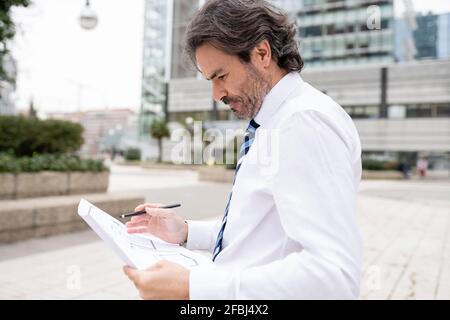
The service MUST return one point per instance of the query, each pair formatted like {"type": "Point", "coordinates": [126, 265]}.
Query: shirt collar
{"type": "Point", "coordinates": [277, 95]}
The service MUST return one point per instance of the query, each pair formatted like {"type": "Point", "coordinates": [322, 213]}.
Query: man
{"type": "Point", "coordinates": [289, 229]}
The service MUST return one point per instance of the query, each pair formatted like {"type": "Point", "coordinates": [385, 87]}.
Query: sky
{"type": "Point", "coordinates": [64, 68]}
{"type": "Point", "coordinates": [436, 6]}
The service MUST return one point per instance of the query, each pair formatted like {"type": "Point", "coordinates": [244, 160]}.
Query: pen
{"type": "Point", "coordinates": [131, 214]}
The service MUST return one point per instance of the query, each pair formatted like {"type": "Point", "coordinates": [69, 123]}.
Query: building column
{"type": "Point", "coordinates": [215, 112]}
{"type": "Point", "coordinates": [383, 98]}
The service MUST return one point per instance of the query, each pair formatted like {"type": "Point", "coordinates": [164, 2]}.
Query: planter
{"type": "Point", "coordinates": [50, 183]}
{"type": "Point", "coordinates": [7, 186]}
{"type": "Point", "coordinates": [219, 174]}
{"type": "Point", "coordinates": [47, 216]}
{"type": "Point", "coordinates": [168, 166]}
{"type": "Point", "coordinates": [382, 174]}
{"type": "Point", "coordinates": [88, 182]}
{"type": "Point", "coordinates": [41, 184]}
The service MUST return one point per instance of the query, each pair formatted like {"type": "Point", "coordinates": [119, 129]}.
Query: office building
{"type": "Point", "coordinates": [155, 50]}
{"type": "Point", "coordinates": [103, 129]}
{"type": "Point", "coordinates": [428, 38]}
{"type": "Point", "coordinates": [165, 23]}
{"type": "Point", "coordinates": [341, 33]}
{"type": "Point", "coordinates": [349, 56]}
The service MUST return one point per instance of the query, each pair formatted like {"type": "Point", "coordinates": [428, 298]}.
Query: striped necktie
{"type": "Point", "coordinates": [245, 147]}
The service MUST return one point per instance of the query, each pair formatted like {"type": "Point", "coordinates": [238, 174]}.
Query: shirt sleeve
{"type": "Point", "coordinates": [202, 234]}
{"type": "Point", "coordinates": [315, 196]}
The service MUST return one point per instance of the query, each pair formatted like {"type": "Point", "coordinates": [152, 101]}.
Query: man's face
{"type": "Point", "coordinates": [237, 84]}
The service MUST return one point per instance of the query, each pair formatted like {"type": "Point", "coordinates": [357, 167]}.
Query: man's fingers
{"type": "Point", "coordinates": [139, 207]}
{"type": "Point", "coordinates": [152, 212]}
{"type": "Point", "coordinates": [131, 224]}
{"type": "Point", "coordinates": [144, 217]}
{"type": "Point", "coordinates": [137, 230]}
{"type": "Point", "coordinates": [132, 274]}
{"type": "Point", "coordinates": [160, 213]}
{"type": "Point", "coordinates": [150, 205]}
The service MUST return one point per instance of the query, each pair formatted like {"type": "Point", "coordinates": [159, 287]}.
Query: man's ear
{"type": "Point", "coordinates": [262, 54]}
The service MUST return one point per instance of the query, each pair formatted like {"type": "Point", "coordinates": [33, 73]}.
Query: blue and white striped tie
{"type": "Point", "coordinates": [245, 147]}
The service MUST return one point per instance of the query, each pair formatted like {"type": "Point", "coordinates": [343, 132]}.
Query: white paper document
{"type": "Point", "coordinates": [136, 250]}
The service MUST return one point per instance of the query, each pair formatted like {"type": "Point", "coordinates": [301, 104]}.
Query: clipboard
{"type": "Point", "coordinates": [137, 250]}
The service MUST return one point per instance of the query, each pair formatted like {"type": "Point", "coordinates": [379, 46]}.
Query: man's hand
{"type": "Point", "coordinates": [163, 280]}
{"type": "Point", "coordinates": [163, 223]}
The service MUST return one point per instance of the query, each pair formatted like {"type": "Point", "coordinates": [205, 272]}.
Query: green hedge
{"type": "Point", "coordinates": [25, 136]}
{"type": "Point", "coordinates": [369, 164]}
{"type": "Point", "coordinates": [49, 162]}
{"type": "Point", "coordinates": [132, 154]}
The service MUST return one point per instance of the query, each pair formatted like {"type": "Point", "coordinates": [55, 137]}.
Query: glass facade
{"type": "Point", "coordinates": [425, 36]}
{"type": "Point", "coordinates": [182, 13]}
{"type": "Point", "coordinates": [165, 23]}
{"type": "Point", "coordinates": [346, 32]}
{"type": "Point", "coordinates": [430, 39]}
{"type": "Point", "coordinates": [443, 40]}
{"type": "Point", "coordinates": [153, 93]}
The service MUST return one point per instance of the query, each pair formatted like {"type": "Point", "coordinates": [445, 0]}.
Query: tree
{"type": "Point", "coordinates": [7, 31]}
{"type": "Point", "coordinates": [25, 136]}
{"type": "Point", "coordinates": [159, 130]}
{"type": "Point", "coordinates": [32, 110]}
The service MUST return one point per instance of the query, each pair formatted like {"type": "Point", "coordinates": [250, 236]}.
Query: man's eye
{"type": "Point", "coordinates": [222, 77]}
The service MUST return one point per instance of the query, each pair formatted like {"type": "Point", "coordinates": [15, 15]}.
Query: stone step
{"type": "Point", "coordinates": [46, 216]}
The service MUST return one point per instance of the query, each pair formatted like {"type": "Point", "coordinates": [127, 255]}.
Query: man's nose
{"type": "Point", "coordinates": [218, 91]}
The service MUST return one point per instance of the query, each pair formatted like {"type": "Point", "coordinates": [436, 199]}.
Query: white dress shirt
{"type": "Point", "coordinates": [292, 223]}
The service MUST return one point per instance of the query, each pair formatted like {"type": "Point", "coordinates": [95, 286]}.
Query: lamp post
{"type": "Point", "coordinates": [88, 17]}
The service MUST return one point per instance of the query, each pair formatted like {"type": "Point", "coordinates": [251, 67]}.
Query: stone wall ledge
{"type": "Point", "coordinates": [46, 216]}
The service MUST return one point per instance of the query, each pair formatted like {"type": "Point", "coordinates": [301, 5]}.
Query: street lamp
{"type": "Point", "coordinates": [88, 17]}
{"type": "Point", "coordinates": [189, 121]}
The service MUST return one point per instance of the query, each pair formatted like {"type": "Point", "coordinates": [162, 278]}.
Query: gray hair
{"type": "Point", "coordinates": [237, 26]}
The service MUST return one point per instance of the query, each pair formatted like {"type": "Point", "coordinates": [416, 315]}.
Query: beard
{"type": "Point", "coordinates": [254, 89]}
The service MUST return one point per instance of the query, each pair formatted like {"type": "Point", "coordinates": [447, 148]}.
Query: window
{"type": "Point", "coordinates": [418, 111]}
{"type": "Point", "coordinates": [312, 31]}
{"type": "Point", "coordinates": [362, 112]}
{"type": "Point", "coordinates": [443, 111]}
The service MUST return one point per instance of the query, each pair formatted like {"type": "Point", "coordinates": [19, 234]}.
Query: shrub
{"type": "Point", "coordinates": [7, 163]}
{"type": "Point", "coordinates": [48, 162]}
{"type": "Point", "coordinates": [27, 136]}
{"type": "Point", "coordinates": [370, 164]}
{"type": "Point", "coordinates": [132, 154]}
